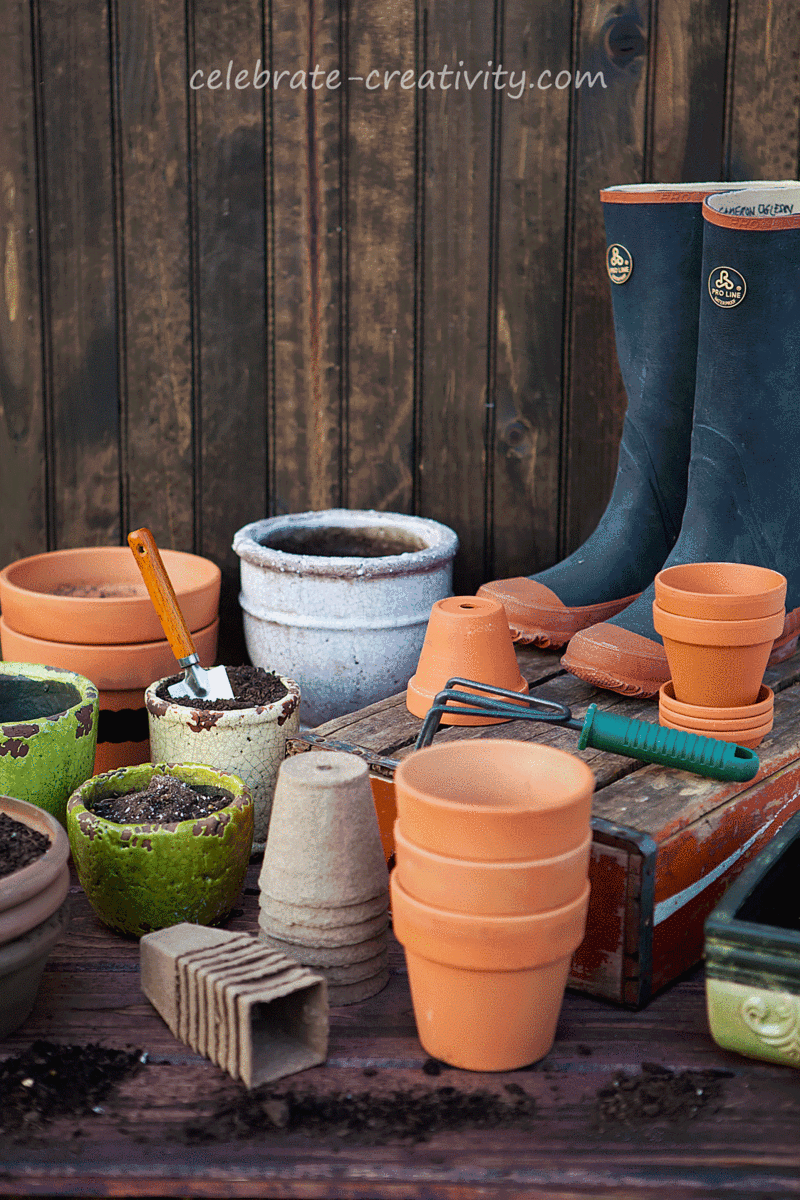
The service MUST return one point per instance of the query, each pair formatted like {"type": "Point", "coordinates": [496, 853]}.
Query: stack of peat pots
{"type": "Point", "coordinates": [490, 894]}
{"type": "Point", "coordinates": [718, 622]}
{"type": "Point", "coordinates": [324, 882]}
{"type": "Point", "coordinates": [34, 912]}
{"type": "Point", "coordinates": [87, 610]}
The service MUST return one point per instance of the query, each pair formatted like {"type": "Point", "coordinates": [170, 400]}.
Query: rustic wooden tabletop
{"type": "Point", "coordinates": [604, 1116]}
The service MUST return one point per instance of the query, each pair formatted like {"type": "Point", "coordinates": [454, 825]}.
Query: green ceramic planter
{"type": "Point", "coordinates": [48, 734]}
{"type": "Point", "coordinates": [139, 878]}
{"type": "Point", "coordinates": [753, 956]}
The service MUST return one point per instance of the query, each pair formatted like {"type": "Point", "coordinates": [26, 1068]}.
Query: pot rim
{"type": "Point", "coordinates": [763, 705]}
{"type": "Point", "coordinates": [695, 631]}
{"type": "Point", "coordinates": [242, 798]}
{"type": "Point", "coordinates": [441, 548]}
{"type": "Point", "coordinates": [21, 885]}
{"type": "Point", "coordinates": [258, 714]}
{"type": "Point", "coordinates": [87, 692]}
{"type": "Point", "coordinates": [500, 867]}
{"type": "Point", "coordinates": [768, 588]}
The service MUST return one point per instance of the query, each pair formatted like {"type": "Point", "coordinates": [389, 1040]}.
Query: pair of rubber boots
{"type": "Point", "coordinates": [706, 294]}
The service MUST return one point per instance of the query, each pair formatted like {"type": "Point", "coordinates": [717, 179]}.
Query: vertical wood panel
{"type": "Point", "coordinates": [307, 275]}
{"type": "Point", "coordinates": [82, 297]}
{"type": "Point", "coordinates": [609, 149]}
{"type": "Point", "coordinates": [531, 289]}
{"type": "Point", "coordinates": [765, 94]}
{"type": "Point", "coordinates": [380, 275]}
{"type": "Point", "coordinates": [458, 154]}
{"type": "Point", "coordinates": [23, 477]}
{"type": "Point", "coordinates": [688, 94]}
{"type": "Point", "coordinates": [230, 280]}
{"type": "Point", "coordinates": [156, 225]}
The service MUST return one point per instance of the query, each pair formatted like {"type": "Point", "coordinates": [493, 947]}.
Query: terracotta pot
{"type": "Point", "coordinates": [717, 663]}
{"type": "Point", "coordinates": [248, 742]}
{"type": "Point", "coordinates": [467, 636]}
{"type": "Point", "coordinates": [487, 991]}
{"type": "Point", "coordinates": [490, 888]}
{"type": "Point", "coordinates": [123, 613]}
{"type": "Point", "coordinates": [16, 921]}
{"type": "Point", "coordinates": [139, 878]}
{"type": "Point", "coordinates": [30, 895]}
{"type": "Point", "coordinates": [749, 736]}
{"type": "Point", "coordinates": [720, 591]}
{"type": "Point", "coordinates": [494, 800]}
{"type": "Point", "coordinates": [763, 706]}
{"type": "Point", "coordinates": [22, 964]}
{"type": "Point", "coordinates": [123, 735]}
{"type": "Point", "coordinates": [48, 733]}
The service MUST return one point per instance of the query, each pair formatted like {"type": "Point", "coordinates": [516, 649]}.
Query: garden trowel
{"type": "Point", "coordinates": [198, 683]}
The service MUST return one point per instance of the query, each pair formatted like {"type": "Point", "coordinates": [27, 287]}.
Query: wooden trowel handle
{"type": "Point", "coordinates": [162, 593]}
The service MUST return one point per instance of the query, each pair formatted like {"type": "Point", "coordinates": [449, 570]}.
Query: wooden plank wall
{"type": "Point", "coordinates": [217, 304]}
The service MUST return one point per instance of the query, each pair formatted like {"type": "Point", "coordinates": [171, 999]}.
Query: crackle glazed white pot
{"type": "Point", "coordinates": [247, 742]}
{"type": "Point", "coordinates": [340, 600]}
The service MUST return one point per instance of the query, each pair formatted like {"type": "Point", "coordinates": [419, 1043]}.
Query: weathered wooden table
{"type": "Point", "coordinates": [744, 1141]}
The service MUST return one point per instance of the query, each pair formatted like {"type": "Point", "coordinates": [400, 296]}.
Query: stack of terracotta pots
{"type": "Point", "coordinates": [34, 913]}
{"type": "Point", "coordinates": [87, 610]}
{"type": "Point", "coordinates": [324, 883]}
{"type": "Point", "coordinates": [718, 622]}
{"type": "Point", "coordinates": [490, 894]}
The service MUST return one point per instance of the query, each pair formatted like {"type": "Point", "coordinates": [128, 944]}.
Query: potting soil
{"type": "Point", "coordinates": [165, 800]}
{"type": "Point", "coordinates": [251, 687]}
{"type": "Point", "coordinates": [48, 1081]}
{"type": "Point", "coordinates": [19, 845]}
{"type": "Point", "coordinates": [657, 1092]}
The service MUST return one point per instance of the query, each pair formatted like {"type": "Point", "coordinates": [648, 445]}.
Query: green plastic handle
{"type": "Point", "coordinates": [669, 747]}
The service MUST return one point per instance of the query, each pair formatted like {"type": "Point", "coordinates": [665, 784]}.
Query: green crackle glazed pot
{"type": "Point", "coordinates": [143, 877]}
{"type": "Point", "coordinates": [48, 734]}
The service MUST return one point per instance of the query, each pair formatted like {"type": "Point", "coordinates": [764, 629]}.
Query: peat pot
{"type": "Point", "coordinates": [48, 734]}
{"type": "Point", "coordinates": [339, 600]}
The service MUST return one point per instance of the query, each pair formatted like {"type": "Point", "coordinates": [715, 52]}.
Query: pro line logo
{"type": "Point", "coordinates": [619, 263]}
{"type": "Point", "coordinates": [726, 287]}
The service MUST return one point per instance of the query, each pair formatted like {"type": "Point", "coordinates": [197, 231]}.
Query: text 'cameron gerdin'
{"type": "Point", "coordinates": [488, 78]}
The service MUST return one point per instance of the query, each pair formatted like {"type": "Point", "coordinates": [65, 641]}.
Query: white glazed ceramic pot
{"type": "Point", "coordinates": [247, 742]}
{"type": "Point", "coordinates": [340, 601]}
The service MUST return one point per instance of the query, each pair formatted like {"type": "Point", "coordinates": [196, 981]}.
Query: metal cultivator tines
{"type": "Point", "coordinates": [600, 730]}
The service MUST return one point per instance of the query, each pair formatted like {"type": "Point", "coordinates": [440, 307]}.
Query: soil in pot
{"type": "Point", "coordinates": [344, 543]}
{"type": "Point", "coordinates": [19, 845]}
{"type": "Point", "coordinates": [165, 800]}
{"type": "Point", "coordinates": [251, 687]}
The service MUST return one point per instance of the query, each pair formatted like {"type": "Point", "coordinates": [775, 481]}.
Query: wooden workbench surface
{"type": "Point", "coordinates": [746, 1141]}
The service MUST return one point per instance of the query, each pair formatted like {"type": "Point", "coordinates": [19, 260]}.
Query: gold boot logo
{"type": "Point", "coordinates": [619, 263]}
{"type": "Point", "coordinates": [726, 287]}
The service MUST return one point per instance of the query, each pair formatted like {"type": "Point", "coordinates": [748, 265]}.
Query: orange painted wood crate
{"type": "Point", "coordinates": [666, 843]}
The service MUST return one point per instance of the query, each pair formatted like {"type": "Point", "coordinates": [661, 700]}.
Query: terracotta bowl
{"type": "Point", "coordinates": [720, 591]}
{"type": "Point", "coordinates": [494, 799]}
{"type": "Point", "coordinates": [28, 882]}
{"type": "Point", "coordinates": [123, 613]}
{"type": "Point", "coordinates": [113, 667]}
{"type": "Point", "coordinates": [763, 705]}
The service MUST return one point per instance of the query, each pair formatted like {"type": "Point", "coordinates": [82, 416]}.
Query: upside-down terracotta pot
{"type": "Point", "coordinates": [33, 893]}
{"type": "Point", "coordinates": [494, 799]}
{"type": "Point", "coordinates": [720, 591]}
{"type": "Point", "coordinates": [717, 663]}
{"type": "Point", "coordinates": [487, 991]}
{"type": "Point", "coordinates": [490, 888]}
{"type": "Point", "coordinates": [248, 742]}
{"type": "Point", "coordinates": [468, 637]}
{"type": "Point", "coordinates": [144, 876]}
{"type": "Point", "coordinates": [48, 732]}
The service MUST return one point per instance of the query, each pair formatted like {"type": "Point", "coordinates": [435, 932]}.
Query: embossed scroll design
{"type": "Point", "coordinates": [775, 1022]}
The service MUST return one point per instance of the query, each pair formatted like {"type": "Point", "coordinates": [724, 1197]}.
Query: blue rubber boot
{"type": "Point", "coordinates": [653, 259]}
{"type": "Point", "coordinates": [743, 495]}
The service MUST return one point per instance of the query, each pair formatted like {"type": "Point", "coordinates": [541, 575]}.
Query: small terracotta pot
{"type": "Point", "coordinates": [763, 706]}
{"type": "Point", "coordinates": [720, 591]}
{"type": "Point", "coordinates": [48, 733]}
{"type": "Point", "coordinates": [490, 888]}
{"type": "Point", "coordinates": [487, 991]}
{"type": "Point", "coordinates": [123, 735]}
{"type": "Point", "coordinates": [748, 736]}
{"type": "Point", "coordinates": [717, 663]}
{"type": "Point", "coordinates": [114, 607]}
{"type": "Point", "coordinates": [248, 742]}
{"type": "Point", "coordinates": [467, 636]}
{"type": "Point", "coordinates": [494, 800]}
